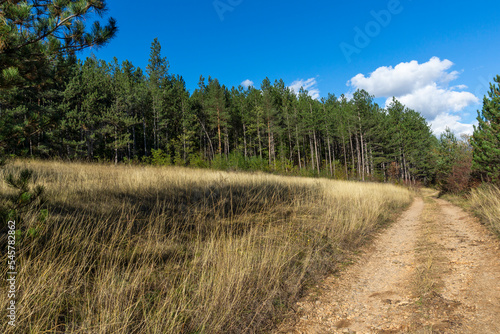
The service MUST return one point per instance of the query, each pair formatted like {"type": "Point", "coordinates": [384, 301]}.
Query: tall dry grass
{"type": "Point", "coordinates": [485, 202]}
{"type": "Point", "coordinates": [175, 250]}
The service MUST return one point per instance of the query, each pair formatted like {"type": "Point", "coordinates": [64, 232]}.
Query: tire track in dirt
{"type": "Point", "coordinates": [472, 278]}
{"type": "Point", "coordinates": [378, 293]}
{"type": "Point", "coordinates": [371, 295]}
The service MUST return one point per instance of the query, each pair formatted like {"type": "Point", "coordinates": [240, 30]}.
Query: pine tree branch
{"type": "Point", "coordinates": [48, 33]}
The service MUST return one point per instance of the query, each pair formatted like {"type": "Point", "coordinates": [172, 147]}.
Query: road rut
{"type": "Point", "coordinates": [436, 270]}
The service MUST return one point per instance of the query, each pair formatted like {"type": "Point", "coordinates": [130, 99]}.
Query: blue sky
{"type": "Point", "coordinates": [438, 57]}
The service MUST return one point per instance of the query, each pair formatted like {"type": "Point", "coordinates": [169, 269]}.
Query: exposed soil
{"type": "Point", "coordinates": [436, 270]}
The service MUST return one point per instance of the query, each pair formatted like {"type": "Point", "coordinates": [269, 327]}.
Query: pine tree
{"type": "Point", "coordinates": [363, 114]}
{"type": "Point", "coordinates": [89, 96]}
{"type": "Point", "coordinates": [418, 140]}
{"type": "Point", "coordinates": [239, 121]}
{"type": "Point", "coordinates": [284, 103]}
{"type": "Point", "coordinates": [453, 162]}
{"type": "Point", "coordinates": [157, 71]}
{"type": "Point", "coordinates": [255, 121]}
{"type": "Point", "coordinates": [270, 118]}
{"type": "Point", "coordinates": [329, 121]}
{"type": "Point", "coordinates": [183, 121]}
{"type": "Point", "coordinates": [216, 106]}
{"type": "Point", "coordinates": [394, 144]}
{"type": "Point", "coordinates": [34, 32]}
{"type": "Point", "coordinates": [198, 105]}
{"type": "Point", "coordinates": [118, 118]}
{"type": "Point", "coordinates": [128, 90]}
{"type": "Point", "coordinates": [486, 137]}
{"type": "Point", "coordinates": [29, 115]}
{"type": "Point", "coordinates": [346, 130]}
{"type": "Point", "coordinates": [307, 126]}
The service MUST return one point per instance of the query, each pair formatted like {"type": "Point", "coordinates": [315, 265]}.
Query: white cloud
{"type": "Point", "coordinates": [309, 85]}
{"type": "Point", "coordinates": [247, 83]}
{"type": "Point", "coordinates": [424, 88]}
{"type": "Point", "coordinates": [405, 77]}
{"type": "Point", "coordinates": [445, 120]}
{"type": "Point", "coordinates": [432, 100]}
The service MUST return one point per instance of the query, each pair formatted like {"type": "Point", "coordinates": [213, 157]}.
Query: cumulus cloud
{"type": "Point", "coordinates": [423, 87]}
{"type": "Point", "coordinates": [433, 100]}
{"type": "Point", "coordinates": [309, 85]}
{"type": "Point", "coordinates": [405, 78]}
{"type": "Point", "coordinates": [445, 120]}
{"type": "Point", "coordinates": [247, 83]}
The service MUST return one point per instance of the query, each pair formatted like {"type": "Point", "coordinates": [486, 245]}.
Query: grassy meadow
{"type": "Point", "coordinates": [133, 249]}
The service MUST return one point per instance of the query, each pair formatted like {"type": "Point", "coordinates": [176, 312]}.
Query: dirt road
{"type": "Point", "coordinates": [436, 270]}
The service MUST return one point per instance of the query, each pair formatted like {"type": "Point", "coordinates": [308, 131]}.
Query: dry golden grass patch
{"type": "Point", "coordinates": [485, 202]}
{"type": "Point", "coordinates": [133, 249]}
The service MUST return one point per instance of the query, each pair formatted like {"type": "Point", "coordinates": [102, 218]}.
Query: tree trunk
{"type": "Point", "coordinates": [362, 148]}
{"type": "Point", "coordinates": [260, 142]}
{"type": "Point", "coordinates": [269, 137]}
{"type": "Point", "coordinates": [212, 153]}
{"type": "Point", "coordinates": [305, 152]}
{"type": "Point", "coordinates": [330, 156]}
{"type": "Point", "coordinates": [245, 140]}
{"type": "Point", "coordinates": [218, 132]}
{"type": "Point", "coordinates": [226, 142]}
{"type": "Point", "coordinates": [372, 171]}
{"type": "Point", "coordinates": [298, 146]}
{"type": "Point", "coordinates": [358, 155]}
{"type": "Point", "coordinates": [155, 143]}
{"type": "Point", "coordinates": [362, 155]}
{"type": "Point", "coordinates": [385, 174]}
{"type": "Point", "coordinates": [145, 138]}
{"type": "Point", "coordinates": [289, 136]}
{"type": "Point", "coordinates": [345, 156]}
{"type": "Point", "coordinates": [134, 147]}
{"type": "Point", "coordinates": [405, 166]}
{"type": "Point", "coordinates": [184, 145]}
{"type": "Point", "coordinates": [116, 147]}
{"type": "Point", "coordinates": [312, 151]}
{"type": "Point", "coordinates": [316, 150]}
{"type": "Point", "coordinates": [352, 152]}
{"type": "Point", "coordinates": [366, 166]}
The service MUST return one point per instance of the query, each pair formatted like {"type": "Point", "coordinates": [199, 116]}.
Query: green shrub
{"type": "Point", "coordinates": [159, 158]}
{"type": "Point", "coordinates": [196, 160]}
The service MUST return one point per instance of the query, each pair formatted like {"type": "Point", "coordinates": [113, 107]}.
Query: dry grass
{"type": "Point", "coordinates": [174, 250]}
{"type": "Point", "coordinates": [485, 202]}
{"type": "Point", "coordinates": [426, 256]}
{"type": "Point", "coordinates": [429, 258]}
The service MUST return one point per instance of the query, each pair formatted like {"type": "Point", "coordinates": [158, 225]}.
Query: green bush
{"type": "Point", "coordinates": [159, 158]}
{"type": "Point", "coordinates": [219, 162]}
{"type": "Point", "coordinates": [258, 163]}
{"type": "Point", "coordinates": [196, 160]}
